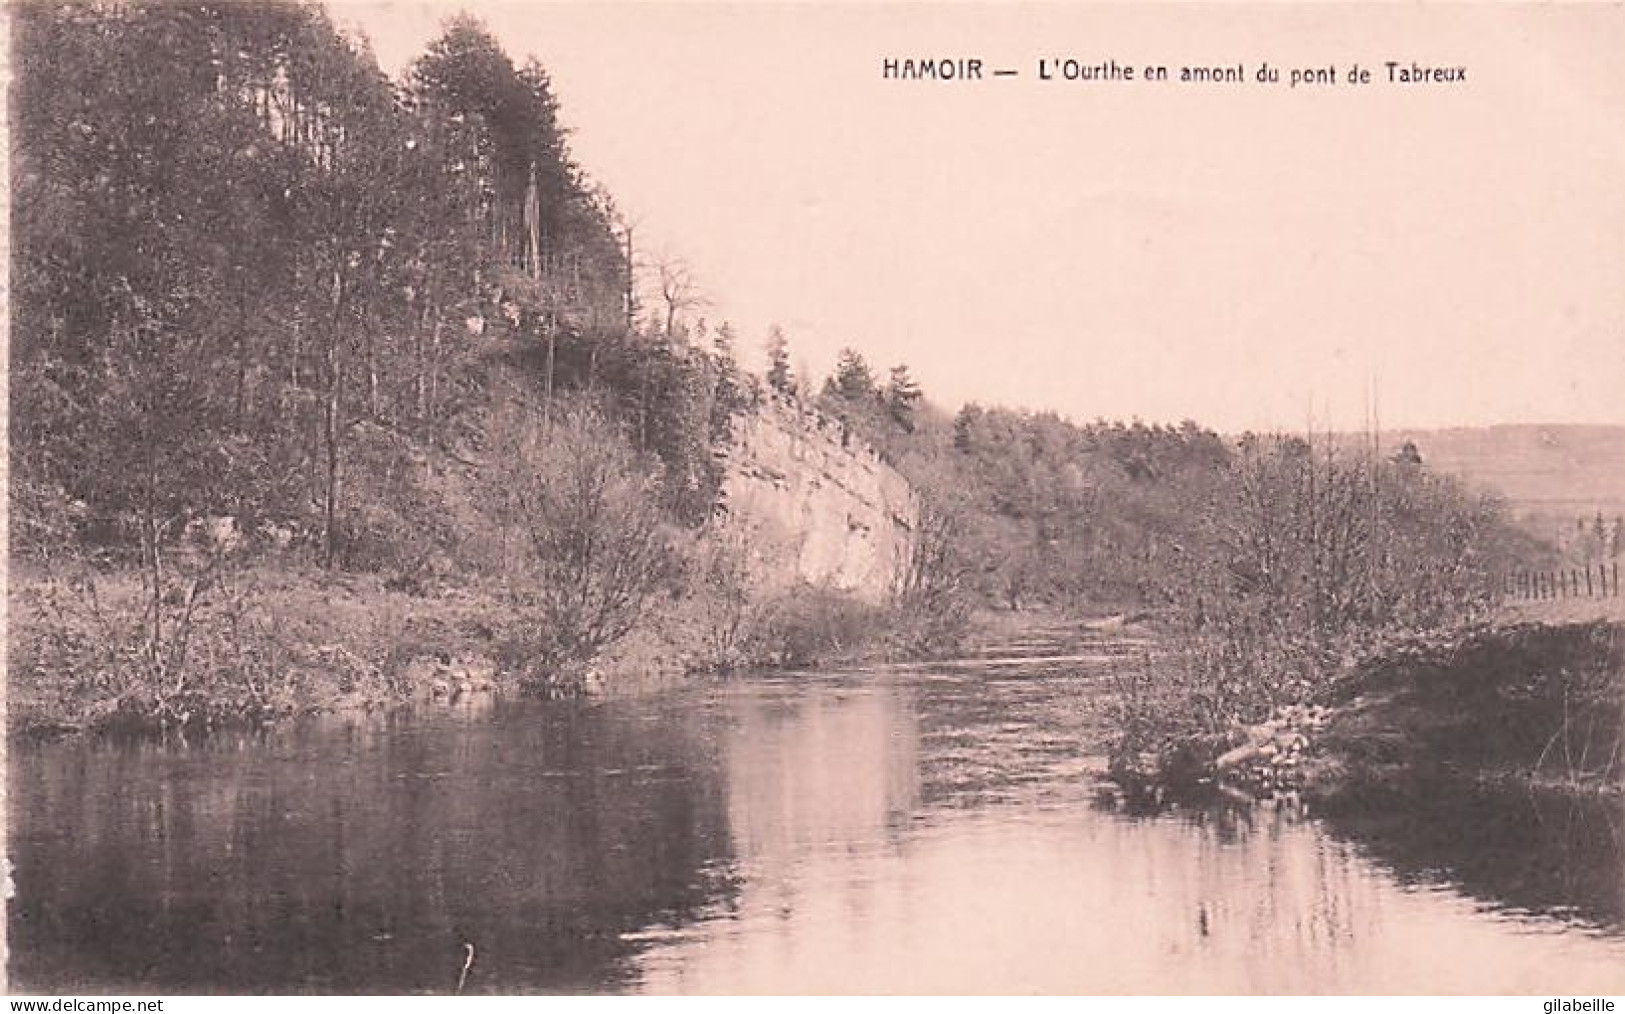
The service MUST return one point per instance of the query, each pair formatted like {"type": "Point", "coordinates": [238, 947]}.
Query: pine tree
{"type": "Point", "coordinates": [778, 363]}
{"type": "Point", "coordinates": [901, 395]}
{"type": "Point", "coordinates": [853, 380]}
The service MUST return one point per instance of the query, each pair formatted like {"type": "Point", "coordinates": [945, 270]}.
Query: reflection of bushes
{"type": "Point", "coordinates": [1542, 852]}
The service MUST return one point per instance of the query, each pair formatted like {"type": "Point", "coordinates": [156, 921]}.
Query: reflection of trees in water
{"type": "Point", "coordinates": [1546, 854]}
{"type": "Point", "coordinates": [360, 856]}
{"type": "Point", "coordinates": [819, 768]}
{"type": "Point", "coordinates": [1257, 890]}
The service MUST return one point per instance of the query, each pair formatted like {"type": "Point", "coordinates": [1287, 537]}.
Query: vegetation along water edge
{"type": "Point", "coordinates": [335, 391]}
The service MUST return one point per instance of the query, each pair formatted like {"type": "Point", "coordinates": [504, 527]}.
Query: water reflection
{"type": "Point", "coordinates": [903, 831]}
{"type": "Point", "coordinates": [1516, 851]}
{"type": "Point", "coordinates": [1055, 902]}
{"type": "Point", "coordinates": [359, 856]}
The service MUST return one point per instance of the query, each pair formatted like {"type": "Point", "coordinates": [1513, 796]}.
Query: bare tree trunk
{"type": "Point", "coordinates": [330, 427]}
{"type": "Point", "coordinates": [372, 375]}
{"type": "Point", "coordinates": [149, 538]}
{"type": "Point", "coordinates": [547, 406]}
{"type": "Point", "coordinates": [643, 407]}
{"type": "Point", "coordinates": [421, 381]}
{"type": "Point", "coordinates": [298, 352]}
{"type": "Point", "coordinates": [631, 290]}
{"type": "Point", "coordinates": [240, 380]}
{"type": "Point", "coordinates": [434, 369]}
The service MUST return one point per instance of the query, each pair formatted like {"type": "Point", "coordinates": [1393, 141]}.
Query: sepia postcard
{"type": "Point", "coordinates": [1107, 499]}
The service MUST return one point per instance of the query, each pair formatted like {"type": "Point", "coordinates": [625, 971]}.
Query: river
{"type": "Point", "coordinates": [934, 829]}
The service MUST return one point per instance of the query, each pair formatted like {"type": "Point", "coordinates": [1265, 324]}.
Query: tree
{"type": "Point", "coordinates": [730, 395]}
{"type": "Point", "coordinates": [778, 363]}
{"type": "Point", "coordinates": [901, 395]}
{"type": "Point", "coordinates": [853, 380]}
{"type": "Point", "coordinates": [965, 427]}
{"type": "Point", "coordinates": [679, 292]}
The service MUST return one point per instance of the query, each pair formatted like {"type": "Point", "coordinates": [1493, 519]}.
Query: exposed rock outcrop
{"type": "Point", "coordinates": [813, 502]}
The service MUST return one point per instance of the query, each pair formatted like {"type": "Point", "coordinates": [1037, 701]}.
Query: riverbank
{"type": "Point", "coordinates": [906, 819]}
{"type": "Point", "coordinates": [267, 643]}
{"type": "Point", "coordinates": [257, 646]}
{"type": "Point", "coordinates": [1526, 704]}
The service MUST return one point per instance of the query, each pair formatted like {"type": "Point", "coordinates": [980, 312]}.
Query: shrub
{"type": "Point", "coordinates": [812, 624]}
{"type": "Point", "coordinates": [591, 538]}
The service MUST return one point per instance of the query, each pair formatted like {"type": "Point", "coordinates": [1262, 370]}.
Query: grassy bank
{"type": "Point", "coordinates": [1530, 704]}
{"type": "Point", "coordinates": [262, 645]}
{"type": "Point", "coordinates": [1517, 704]}
{"type": "Point", "coordinates": [266, 643]}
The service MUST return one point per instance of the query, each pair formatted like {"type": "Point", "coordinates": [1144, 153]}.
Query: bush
{"type": "Point", "coordinates": [1292, 569]}
{"type": "Point", "coordinates": [809, 625]}
{"type": "Point", "coordinates": [86, 653]}
{"type": "Point", "coordinates": [586, 513]}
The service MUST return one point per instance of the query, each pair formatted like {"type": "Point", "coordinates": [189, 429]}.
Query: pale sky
{"type": "Point", "coordinates": [1246, 256]}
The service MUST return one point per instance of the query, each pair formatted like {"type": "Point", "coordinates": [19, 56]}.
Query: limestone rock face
{"type": "Point", "coordinates": [810, 501]}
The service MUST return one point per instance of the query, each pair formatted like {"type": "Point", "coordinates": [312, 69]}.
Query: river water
{"type": "Point", "coordinates": [933, 829]}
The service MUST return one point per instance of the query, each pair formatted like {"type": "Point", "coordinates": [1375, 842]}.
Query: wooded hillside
{"type": "Point", "coordinates": [256, 279]}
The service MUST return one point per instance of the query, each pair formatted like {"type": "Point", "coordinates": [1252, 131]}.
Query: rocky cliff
{"type": "Point", "coordinates": [811, 501]}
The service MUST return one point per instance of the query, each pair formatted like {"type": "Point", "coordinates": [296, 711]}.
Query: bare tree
{"type": "Point", "coordinates": [679, 293]}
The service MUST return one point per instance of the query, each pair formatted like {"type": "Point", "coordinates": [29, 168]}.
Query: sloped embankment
{"type": "Point", "coordinates": [1533, 704]}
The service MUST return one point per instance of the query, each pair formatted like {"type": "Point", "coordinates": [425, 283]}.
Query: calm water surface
{"type": "Point", "coordinates": [933, 830]}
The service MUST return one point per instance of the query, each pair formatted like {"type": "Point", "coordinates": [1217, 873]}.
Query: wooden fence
{"type": "Point", "coordinates": [1597, 580]}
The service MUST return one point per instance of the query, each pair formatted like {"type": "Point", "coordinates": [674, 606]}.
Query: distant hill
{"type": "Point", "coordinates": [1546, 472]}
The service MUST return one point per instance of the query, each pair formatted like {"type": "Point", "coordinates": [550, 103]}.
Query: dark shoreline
{"type": "Point", "coordinates": [349, 643]}
{"type": "Point", "coordinates": [1532, 706]}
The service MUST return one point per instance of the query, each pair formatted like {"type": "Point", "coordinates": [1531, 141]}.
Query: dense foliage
{"type": "Point", "coordinates": [256, 279]}
{"type": "Point", "coordinates": [267, 302]}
